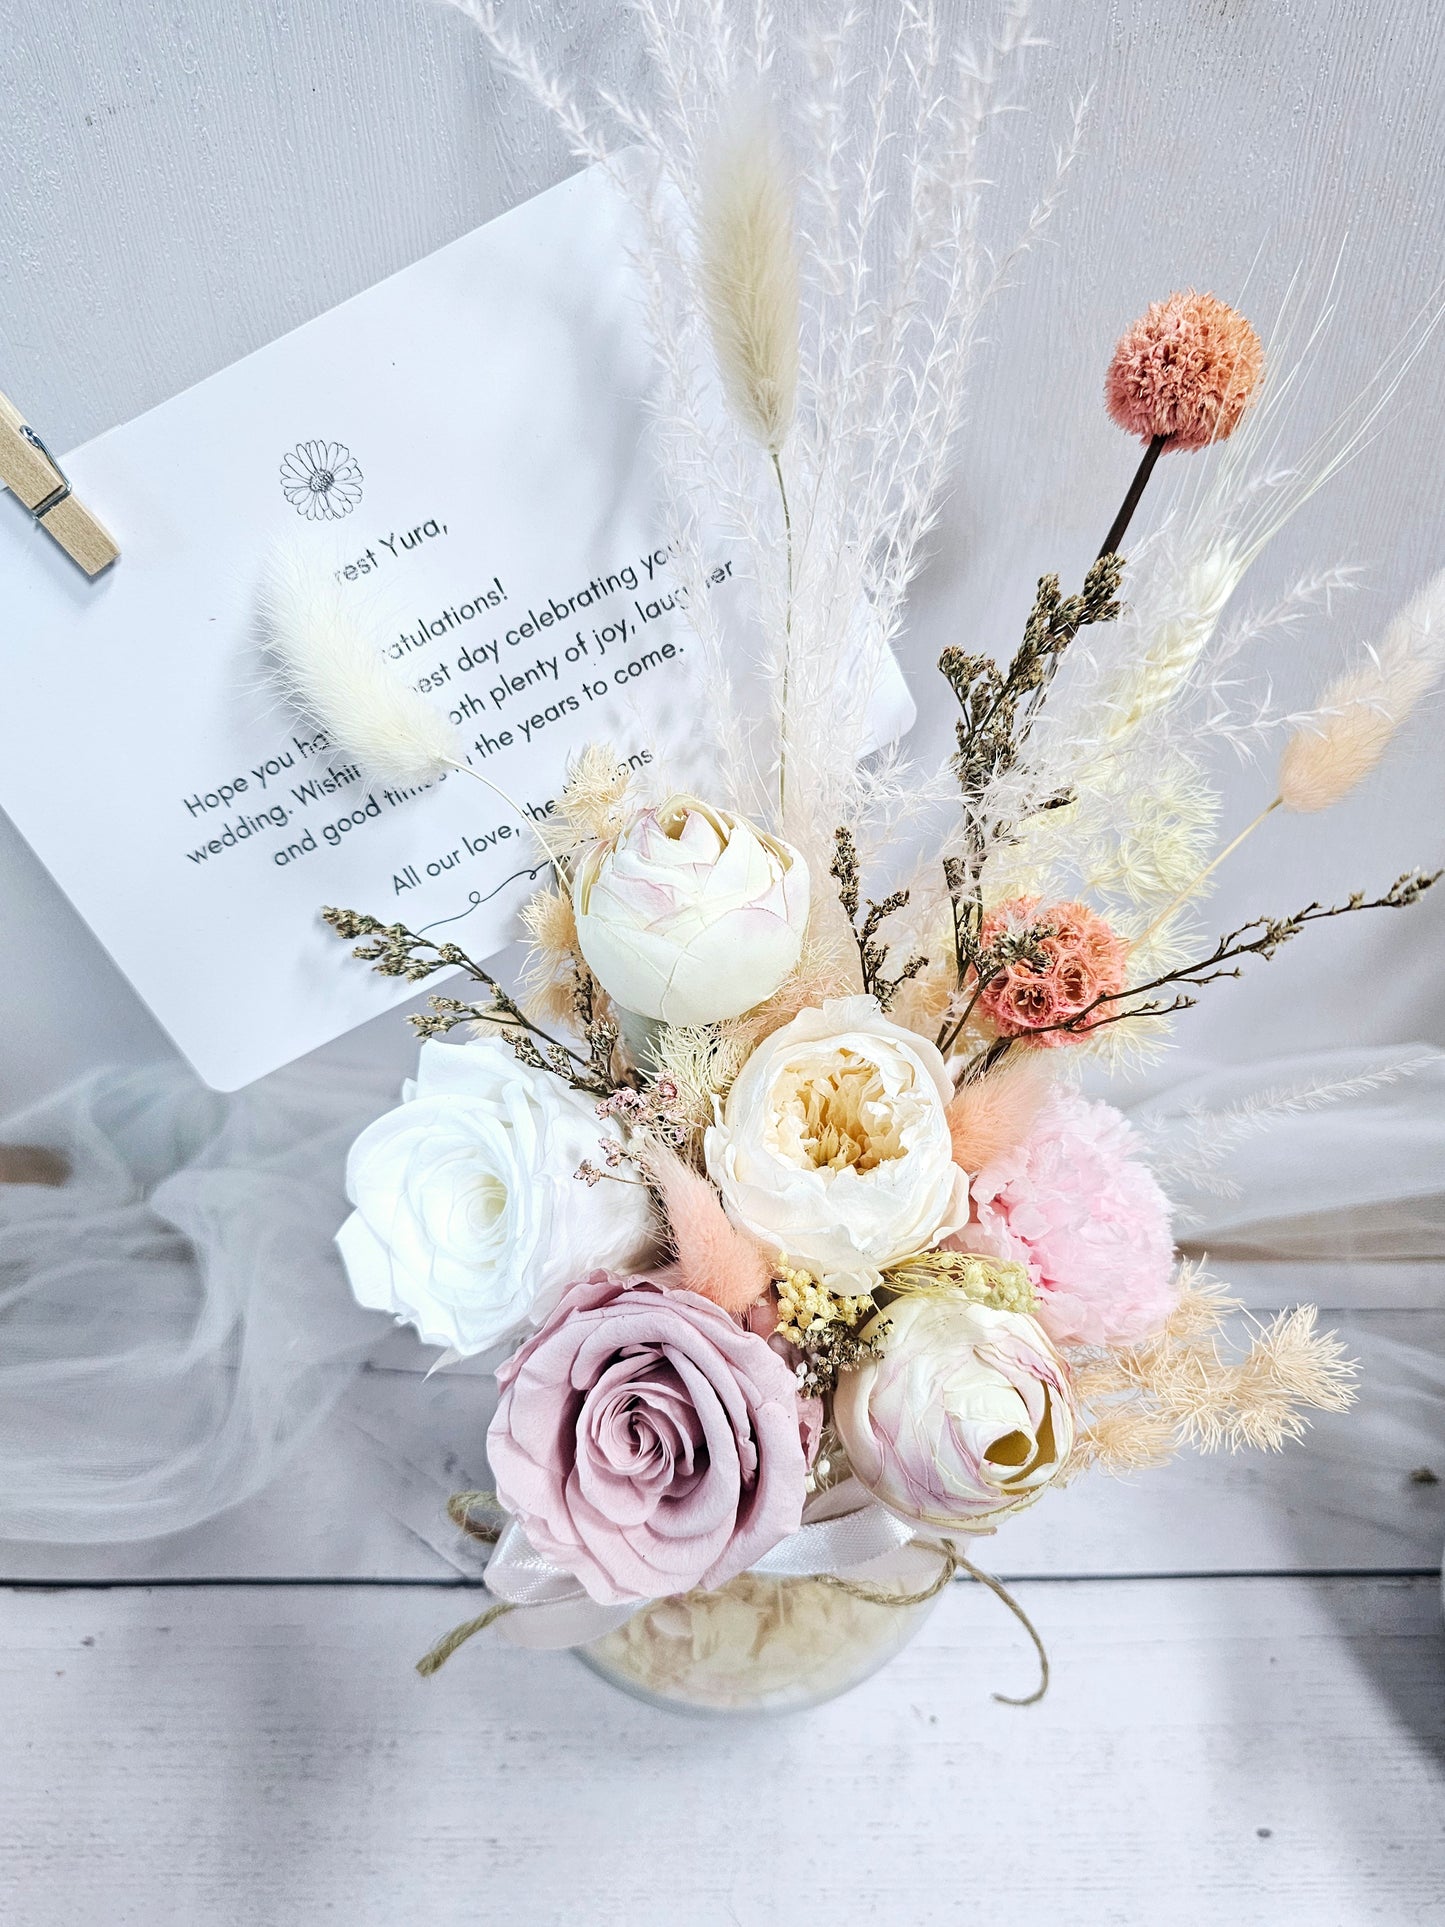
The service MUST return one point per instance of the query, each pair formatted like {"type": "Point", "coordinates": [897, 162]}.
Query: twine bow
{"type": "Point", "coordinates": [856, 1537]}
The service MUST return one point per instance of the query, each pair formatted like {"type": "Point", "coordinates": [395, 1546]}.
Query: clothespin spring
{"type": "Point", "coordinates": [56, 495]}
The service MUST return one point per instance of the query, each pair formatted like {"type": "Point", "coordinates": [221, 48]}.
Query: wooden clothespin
{"type": "Point", "coordinates": [35, 478]}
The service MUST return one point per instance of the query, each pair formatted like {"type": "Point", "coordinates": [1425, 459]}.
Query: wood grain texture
{"type": "Point", "coordinates": [1227, 1754]}
{"type": "Point", "coordinates": [184, 180]}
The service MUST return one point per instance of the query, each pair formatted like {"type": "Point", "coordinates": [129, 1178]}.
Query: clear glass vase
{"type": "Point", "coordinates": [769, 1645]}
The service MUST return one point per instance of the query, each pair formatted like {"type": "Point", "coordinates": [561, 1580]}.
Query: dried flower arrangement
{"type": "Point", "coordinates": [805, 1250]}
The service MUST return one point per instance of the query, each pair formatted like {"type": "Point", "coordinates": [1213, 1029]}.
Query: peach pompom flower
{"type": "Point", "coordinates": [1186, 370]}
{"type": "Point", "coordinates": [1072, 959]}
{"type": "Point", "coordinates": [1181, 377]}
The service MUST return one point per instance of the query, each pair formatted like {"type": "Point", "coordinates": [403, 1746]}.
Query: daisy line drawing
{"type": "Point", "coordinates": [321, 480]}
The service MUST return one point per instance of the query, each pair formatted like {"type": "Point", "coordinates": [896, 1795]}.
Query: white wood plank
{"type": "Point", "coordinates": [366, 1498]}
{"type": "Point", "coordinates": [1247, 1753]}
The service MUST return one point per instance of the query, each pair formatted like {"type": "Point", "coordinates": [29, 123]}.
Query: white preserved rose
{"type": "Point", "coordinates": [833, 1147]}
{"type": "Point", "coordinates": [690, 915]}
{"type": "Point", "coordinates": [470, 1221]}
{"type": "Point", "coordinates": [966, 1411]}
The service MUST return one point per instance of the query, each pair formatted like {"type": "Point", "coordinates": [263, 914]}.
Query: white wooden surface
{"type": "Point", "coordinates": [1226, 1753]}
{"type": "Point", "coordinates": [180, 180]}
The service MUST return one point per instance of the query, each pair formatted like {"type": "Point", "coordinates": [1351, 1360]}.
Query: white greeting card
{"type": "Point", "coordinates": [464, 444]}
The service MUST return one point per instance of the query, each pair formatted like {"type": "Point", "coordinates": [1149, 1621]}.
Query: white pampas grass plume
{"type": "Point", "coordinates": [1338, 745]}
{"type": "Point", "coordinates": [749, 272]}
{"type": "Point", "coordinates": [329, 663]}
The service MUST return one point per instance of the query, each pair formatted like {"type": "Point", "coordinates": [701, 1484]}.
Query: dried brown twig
{"type": "Point", "coordinates": [872, 955]}
{"type": "Point", "coordinates": [393, 950]}
{"type": "Point", "coordinates": [1260, 937]}
{"type": "Point", "coordinates": [1000, 707]}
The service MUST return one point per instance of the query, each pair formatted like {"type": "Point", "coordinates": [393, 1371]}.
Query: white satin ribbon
{"type": "Point", "coordinates": [847, 1533]}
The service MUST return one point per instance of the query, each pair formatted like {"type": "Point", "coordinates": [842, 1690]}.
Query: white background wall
{"type": "Point", "coordinates": [182, 180]}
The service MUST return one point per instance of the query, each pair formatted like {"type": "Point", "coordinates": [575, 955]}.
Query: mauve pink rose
{"type": "Point", "coordinates": [646, 1442]}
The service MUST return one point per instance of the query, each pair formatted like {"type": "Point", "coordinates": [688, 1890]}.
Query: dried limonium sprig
{"type": "Point", "coordinates": [393, 950]}
{"type": "Point", "coordinates": [623, 1164]}
{"type": "Point", "coordinates": [984, 963]}
{"type": "Point", "coordinates": [823, 1326]}
{"type": "Point", "coordinates": [872, 954]}
{"type": "Point", "coordinates": [658, 1109]}
{"type": "Point", "coordinates": [1000, 707]}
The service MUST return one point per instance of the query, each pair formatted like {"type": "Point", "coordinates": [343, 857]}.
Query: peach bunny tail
{"type": "Point", "coordinates": [714, 1258]}
{"type": "Point", "coordinates": [997, 1113]}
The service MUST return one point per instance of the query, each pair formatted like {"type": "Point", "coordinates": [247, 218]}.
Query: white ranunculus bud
{"type": "Point", "coordinates": [470, 1221]}
{"type": "Point", "coordinates": [690, 915]}
{"type": "Point", "coordinates": [966, 1411]}
{"type": "Point", "coordinates": [833, 1147]}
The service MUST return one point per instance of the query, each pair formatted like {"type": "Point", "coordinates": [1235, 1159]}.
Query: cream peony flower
{"type": "Point", "coordinates": [690, 915]}
{"type": "Point", "coordinates": [833, 1146]}
{"type": "Point", "coordinates": [470, 1222]}
{"type": "Point", "coordinates": [967, 1410]}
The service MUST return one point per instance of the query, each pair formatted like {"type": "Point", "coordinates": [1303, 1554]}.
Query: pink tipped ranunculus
{"type": "Point", "coordinates": [690, 915]}
{"type": "Point", "coordinates": [646, 1442]}
{"type": "Point", "coordinates": [1075, 1205]}
{"type": "Point", "coordinates": [965, 1411]}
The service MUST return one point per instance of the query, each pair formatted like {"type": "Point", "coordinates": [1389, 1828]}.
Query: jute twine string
{"type": "Point", "coordinates": [460, 1507]}
{"type": "Point", "coordinates": [952, 1561]}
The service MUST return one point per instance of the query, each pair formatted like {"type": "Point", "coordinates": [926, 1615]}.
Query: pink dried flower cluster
{"type": "Point", "coordinates": [1186, 369]}
{"type": "Point", "coordinates": [1080, 959]}
{"type": "Point", "coordinates": [1074, 1203]}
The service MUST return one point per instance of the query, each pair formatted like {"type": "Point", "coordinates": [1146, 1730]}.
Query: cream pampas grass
{"type": "Point", "coordinates": [1350, 729]}
{"type": "Point", "coordinates": [550, 976]}
{"type": "Point", "coordinates": [835, 269]}
{"type": "Point", "coordinates": [1186, 1383]}
{"type": "Point", "coordinates": [749, 272]}
{"type": "Point", "coordinates": [595, 800]}
{"type": "Point", "coordinates": [329, 664]}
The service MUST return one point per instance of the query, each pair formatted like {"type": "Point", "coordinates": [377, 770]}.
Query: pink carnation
{"type": "Point", "coordinates": [1080, 960]}
{"type": "Point", "coordinates": [1075, 1205]}
{"type": "Point", "coordinates": [646, 1442]}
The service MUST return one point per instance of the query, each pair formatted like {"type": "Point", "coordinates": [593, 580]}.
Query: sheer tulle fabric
{"type": "Point", "coordinates": [1334, 1157]}
{"type": "Point", "coordinates": [173, 1319]}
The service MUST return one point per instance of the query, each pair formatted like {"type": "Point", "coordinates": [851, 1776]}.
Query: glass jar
{"type": "Point", "coordinates": [762, 1644]}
